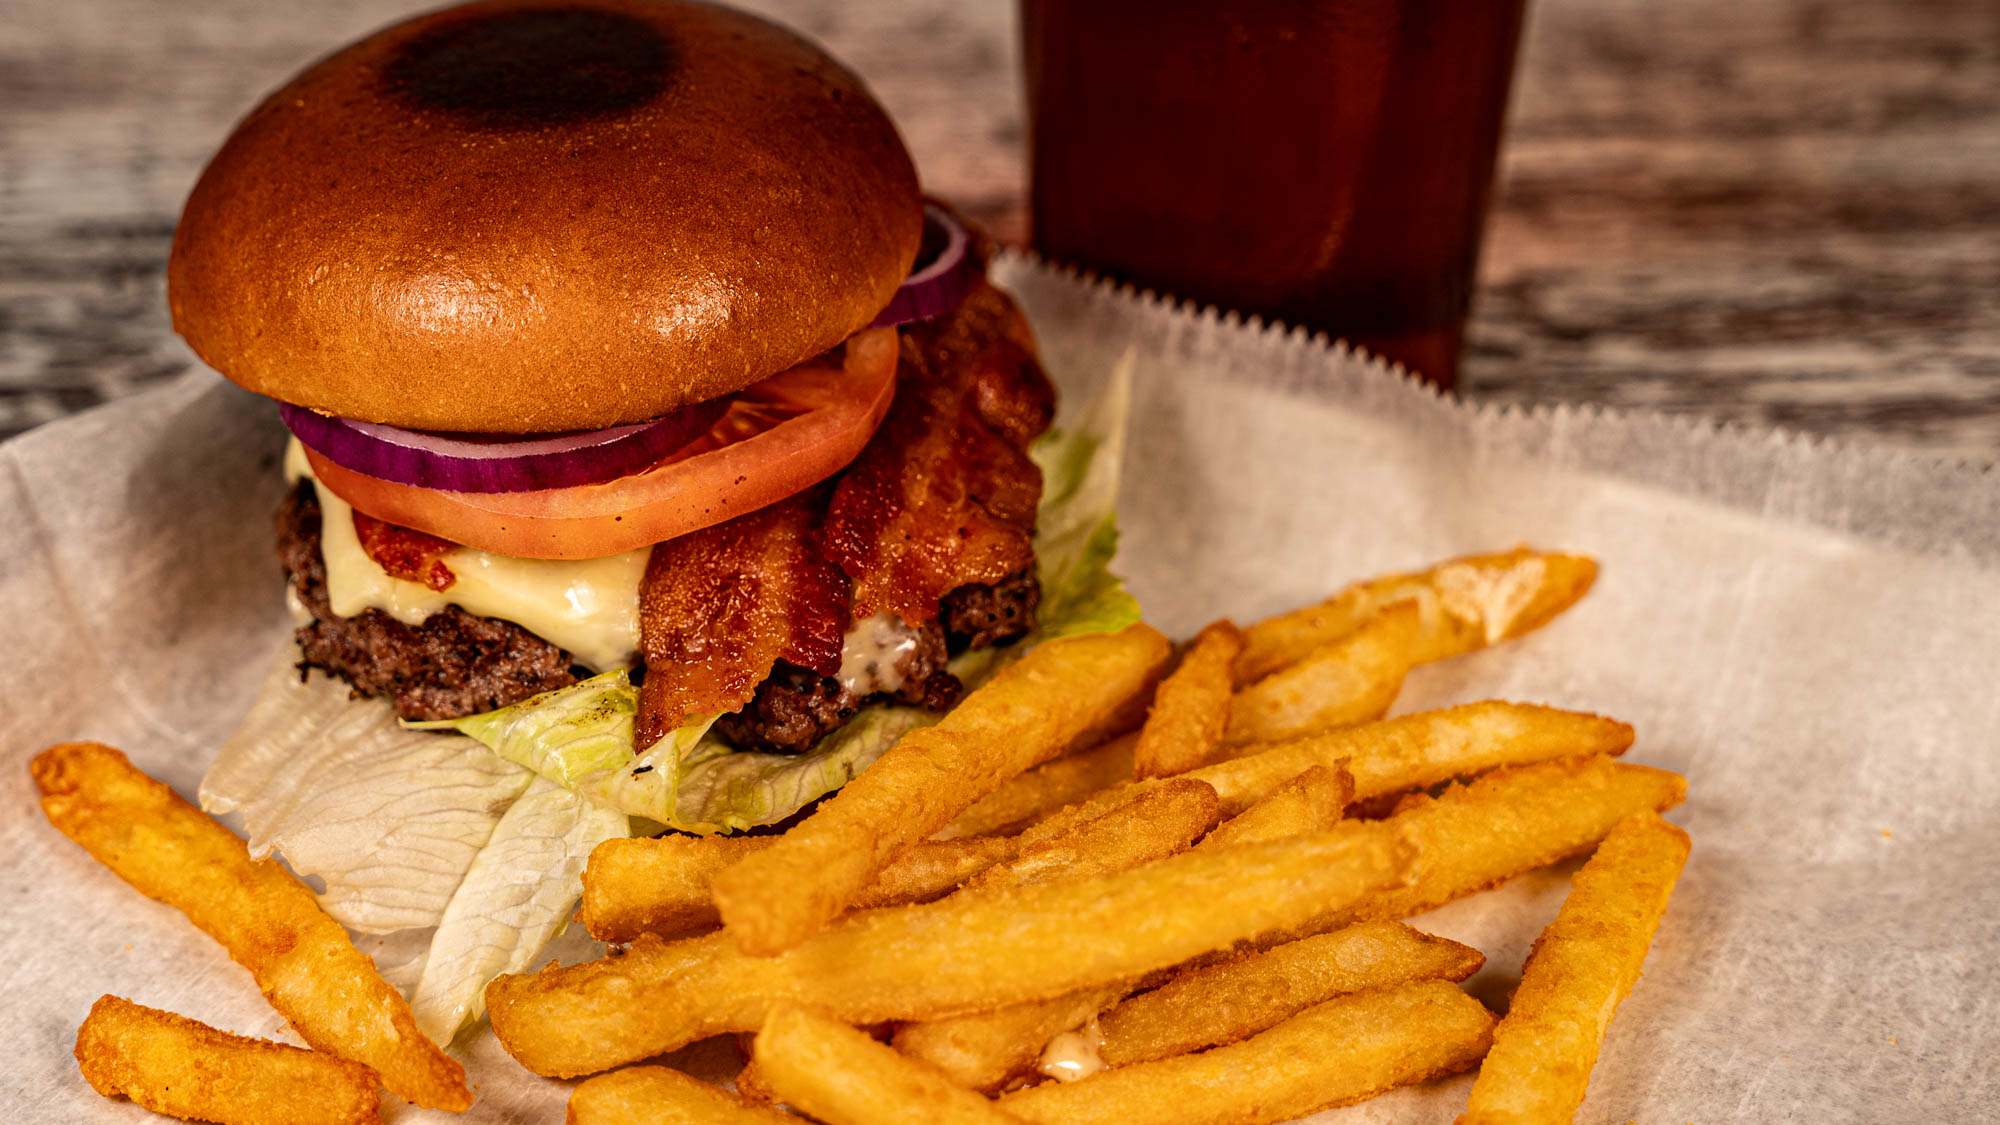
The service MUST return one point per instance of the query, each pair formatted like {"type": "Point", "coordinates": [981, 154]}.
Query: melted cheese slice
{"type": "Point", "coordinates": [588, 606]}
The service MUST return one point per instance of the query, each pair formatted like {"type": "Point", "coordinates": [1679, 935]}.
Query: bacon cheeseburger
{"type": "Point", "coordinates": [650, 429]}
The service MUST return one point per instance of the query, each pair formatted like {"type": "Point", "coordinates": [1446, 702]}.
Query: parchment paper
{"type": "Point", "coordinates": [1811, 633]}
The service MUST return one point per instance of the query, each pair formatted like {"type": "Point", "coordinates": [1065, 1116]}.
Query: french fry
{"type": "Point", "coordinates": [1190, 707]}
{"type": "Point", "coordinates": [1029, 712]}
{"type": "Point", "coordinates": [1582, 966]}
{"type": "Point", "coordinates": [750, 1080]}
{"type": "Point", "coordinates": [1423, 749]}
{"type": "Point", "coordinates": [965, 953]}
{"type": "Point", "coordinates": [1314, 800]}
{"type": "Point", "coordinates": [1236, 999]}
{"type": "Point", "coordinates": [1028, 797]}
{"type": "Point", "coordinates": [1352, 680]}
{"type": "Point", "coordinates": [176, 1066]}
{"type": "Point", "coordinates": [1407, 752]}
{"type": "Point", "coordinates": [982, 1051]}
{"type": "Point", "coordinates": [661, 885]}
{"type": "Point", "coordinates": [268, 921]}
{"type": "Point", "coordinates": [1154, 824]}
{"type": "Point", "coordinates": [1479, 835]}
{"type": "Point", "coordinates": [987, 1050]}
{"type": "Point", "coordinates": [1466, 604]}
{"type": "Point", "coordinates": [1337, 1053]}
{"type": "Point", "coordinates": [843, 1077]}
{"type": "Point", "coordinates": [656, 1095]}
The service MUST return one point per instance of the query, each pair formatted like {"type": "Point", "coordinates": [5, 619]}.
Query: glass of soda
{"type": "Point", "coordinates": [1322, 162]}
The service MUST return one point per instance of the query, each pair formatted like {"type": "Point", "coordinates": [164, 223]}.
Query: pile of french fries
{"type": "Point", "coordinates": [1116, 883]}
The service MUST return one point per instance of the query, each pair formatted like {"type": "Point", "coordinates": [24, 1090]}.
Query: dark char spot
{"type": "Point", "coordinates": [527, 69]}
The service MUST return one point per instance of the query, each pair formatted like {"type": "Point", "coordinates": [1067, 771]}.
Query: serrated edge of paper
{"type": "Point", "coordinates": [1908, 499]}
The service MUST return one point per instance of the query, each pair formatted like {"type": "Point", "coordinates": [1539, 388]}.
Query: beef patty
{"type": "Point", "coordinates": [455, 664]}
{"type": "Point", "coordinates": [451, 665]}
{"type": "Point", "coordinates": [796, 706]}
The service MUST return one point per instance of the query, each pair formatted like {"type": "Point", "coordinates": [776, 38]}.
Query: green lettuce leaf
{"type": "Point", "coordinates": [732, 790]}
{"type": "Point", "coordinates": [581, 737]}
{"type": "Point", "coordinates": [1076, 529]}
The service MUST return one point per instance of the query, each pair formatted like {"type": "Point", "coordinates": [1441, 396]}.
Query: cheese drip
{"type": "Point", "coordinates": [589, 607]}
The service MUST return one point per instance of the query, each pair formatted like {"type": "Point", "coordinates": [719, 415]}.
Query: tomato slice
{"type": "Point", "coordinates": [779, 437]}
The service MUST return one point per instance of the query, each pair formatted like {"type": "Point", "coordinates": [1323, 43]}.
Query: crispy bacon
{"type": "Point", "coordinates": [944, 495]}
{"type": "Point", "coordinates": [720, 607]}
{"type": "Point", "coordinates": [411, 555]}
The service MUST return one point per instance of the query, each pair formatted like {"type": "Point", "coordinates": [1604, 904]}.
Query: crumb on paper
{"type": "Point", "coordinates": [1888, 835]}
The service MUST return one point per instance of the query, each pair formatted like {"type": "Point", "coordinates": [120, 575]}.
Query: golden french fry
{"type": "Point", "coordinates": [661, 885]}
{"type": "Point", "coordinates": [1582, 966]}
{"type": "Point", "coordinates": [1466, 604]}
{"type": "Point", "coordinates": [1028, 797]}
{"type": "Point", "coordinates": [965, 953]}
{"type": "Point", "coordinates": [1154, 824]}
{"type": "Point", "coordinates": [268, 921]}
{"type": "Point", "coordinates": [1352, 680]}
{"type": "Point", "coordinates": [843, 1077]}
{"type": "Point", "coordinates": [173, 1065]}
{"type": "Point", "coordinates": [1337, 1053]}
{"type": "Point", "coordinates": [1413, 751]}
{"type": "Point", "coordinates": [983, 1051]}
{"type": "Point", "coordinates": [1190, 707]}
{"type": "Point", "coordinates": [1513, 820]}
{"type": "Point", "coordinates": [1029, 712]}
{"type": "Point", "coordinates": [1406, 752]}
{"type": "Point", "coordinates": [656, 1095]}
{"type": "Point", "coordinates": [1314, 800]}
{"type": "Point", "coordinates": [1236, 999]}
{"type": "Point", "coordinates": [986, 1050]}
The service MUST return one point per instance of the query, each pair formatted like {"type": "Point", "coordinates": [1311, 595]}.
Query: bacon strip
{"type": "Point", "coordinates": [413, 556]}
{"type": "Point", "coordinates": [720, 607]}
{"type": "Point", "coordinates": [944, 495]}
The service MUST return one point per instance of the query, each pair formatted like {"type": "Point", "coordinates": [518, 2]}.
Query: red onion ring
{"type": "Point", "coordinates": [937, 286]}
{"type": "Point", "coordinates": [498, 463]}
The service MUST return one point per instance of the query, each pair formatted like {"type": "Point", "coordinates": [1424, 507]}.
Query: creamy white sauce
{"type": "Point", "coordinates": [588, 606]}
{"type": "Point", "coordinates": [1073, 1054]}
{"type": "Point", "coordinates": [872, 652]}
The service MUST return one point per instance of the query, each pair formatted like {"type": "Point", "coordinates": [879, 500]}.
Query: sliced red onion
{"type": "Point", "coordinates": [935, 286]}
{"type": "Point", "coordinates": [499, 462]}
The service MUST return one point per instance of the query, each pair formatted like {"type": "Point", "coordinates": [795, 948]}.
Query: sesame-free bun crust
{"type": "Point", "coordinates": [524, 217]}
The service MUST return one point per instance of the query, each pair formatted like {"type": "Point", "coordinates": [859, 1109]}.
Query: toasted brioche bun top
{"type": "Point", "coordinates": [522, 217]}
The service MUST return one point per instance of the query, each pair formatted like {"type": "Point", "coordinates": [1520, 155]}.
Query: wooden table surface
{"type": "Point", "coordinates": [1780, 211]}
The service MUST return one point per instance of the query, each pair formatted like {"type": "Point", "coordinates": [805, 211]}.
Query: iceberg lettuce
{"type": "Point", "coordinates": [517, 894]}
{"type": "Point", "coordinates": [1076, 528]}
{"type": "Point", "coordinates": [409, 832]}
{"type": "Point", "coordinates": [581, 737]}
{"type": "Point", "coordinates": [389, 819]}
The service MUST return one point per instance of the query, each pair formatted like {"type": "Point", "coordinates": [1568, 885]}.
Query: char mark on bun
{"type": "Point", "coordinates": [616, 334]}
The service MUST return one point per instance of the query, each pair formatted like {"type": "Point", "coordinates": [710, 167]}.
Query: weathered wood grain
{"type": "Point", "coordinates": [1779, 211]}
